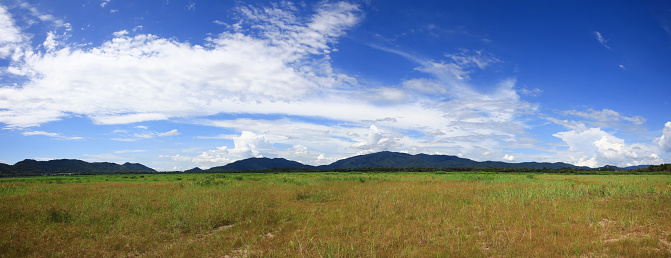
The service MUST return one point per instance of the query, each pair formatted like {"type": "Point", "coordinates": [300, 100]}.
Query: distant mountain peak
{"type": "Point", "coordinates": [260, 164]}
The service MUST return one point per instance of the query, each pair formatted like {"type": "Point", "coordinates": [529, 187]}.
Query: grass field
{"type": "Point", "coordinates": [337, 215]}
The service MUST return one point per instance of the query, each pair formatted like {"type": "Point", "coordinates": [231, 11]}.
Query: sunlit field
{"type": "Point", "coordinates": [337, 215]}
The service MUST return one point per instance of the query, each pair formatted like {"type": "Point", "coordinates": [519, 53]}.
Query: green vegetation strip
{"type": "Point", "coordinates": [337, 214]}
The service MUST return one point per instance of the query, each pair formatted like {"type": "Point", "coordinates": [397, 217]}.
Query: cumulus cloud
{"type": "Point", "coordinates": [594, 147]}
{"type": "Point", "coordinates": [313, 140]}
{"type": "Point", "coordinates": [377, 141]}
{"type": "Point", "coordinates": [508, 157]}
{"type": "Point", "coordinates": [120, 33]}
{"type": "Point", "coordinates": [247, 145]}
{"type": "Point", "coordinates": [664, 141]}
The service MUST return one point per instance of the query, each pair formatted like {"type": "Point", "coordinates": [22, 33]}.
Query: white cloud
{"type": "Point", "coordinates": [535, 92]}
{"type": "Point", "coordinates": [377, 141]}
{"type": "Point", "coordinates": [104, 3]}
{"type": "Point", "coordinates": [131, 151]}
{"type": "Point", "coordinates": [53, 135]}
{"type": "Point", "coordinates": [664, 141]}
{"type": "Point", "coordinates": [605, 117]}
{"type": "Point", "coordinates": [304, 155]}
{"type": "Point", "coordinates": [467, 58]}
{"type": "Point", "coordinates": [120, 33]}
{"type": "Point", "coordinates": [508, 157]}
{"type": "Point", "coordinates": [45, 17]}
{"type": "Point", "coordinates": [456, 69]}
{"type": "Point", "coordinates": [247, 145]}
{"type": "Point", "coordinates": [594, 147]}
{"type": "Point", "coordinates": [601, 39]}
{"type": "Point", "coordinates": [172, 132]}
{"type": "Point", "coordinates": [31, 133]}
{"type": "Point", "coordinates": [11, 37]}
{"type": "Point", "coordinates": [143, 132]}
{"type": "Point", "coordinates": [127, 118]}
{"type": "Point", "coordinates": [50, 42]}
{"type": "Point", "coordinates": [105, 157]}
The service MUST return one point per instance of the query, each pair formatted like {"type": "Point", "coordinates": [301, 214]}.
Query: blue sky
{"type": "Point", "coordinates": [182, 84]}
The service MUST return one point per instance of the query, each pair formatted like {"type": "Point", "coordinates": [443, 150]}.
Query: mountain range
{"type": "Point", "coordinates": [386, 159]}
{"type": "Point", "coordinates": [69, 166]}
{"type": "Point", "coordinates": [383, 159]}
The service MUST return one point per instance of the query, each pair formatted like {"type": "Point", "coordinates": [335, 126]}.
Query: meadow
{"type": "Point", "coordinates": [430, 214]}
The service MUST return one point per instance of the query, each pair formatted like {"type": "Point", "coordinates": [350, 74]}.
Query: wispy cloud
{"type": "Point", "coordinates": [52, 135]}
{"type": "Point", "coordinates": [10, 34]}
{"type": "Point", "coordinates": [143, 132]}
{"type": "Point", "coordinates": [129, 151]}
{"type": "Point", "coordinates": [105, 157]}
{"type": "Point", "coordinates": [104, 3]}
{"type": "Point", "coordinates": [172, 132]}
{"type": "Point", "coordinates": [601, 39]}
{"type": "Point", "coordinates": [191, 6]}
{"type": "Point", "coordinates": [45, 17]}
{"type": "Point", "coordinates": [605, 118]}
{"type": "Point", "coordinates": [535, 92]}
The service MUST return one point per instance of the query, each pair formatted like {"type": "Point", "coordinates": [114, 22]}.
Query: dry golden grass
{"type": "Point", "coordinates": [336, 215]}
